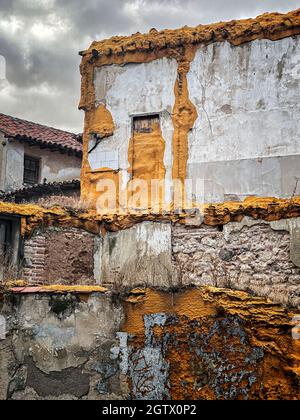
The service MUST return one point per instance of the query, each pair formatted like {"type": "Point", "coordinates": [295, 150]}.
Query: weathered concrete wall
{"type": "Point", "coordinates": [57, 255]}
{"type": "Point", "coordinates": [54, 166]}
{"type": "Point", "coordinates": [140, 255]}
{"type": "Point", "coordinates": [59, 347]}
{"type": "Point", "coordinates": [194, 344]}
{"type": "Point", "coordinates": [247, 99]}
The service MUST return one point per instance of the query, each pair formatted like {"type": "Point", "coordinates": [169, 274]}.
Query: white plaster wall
{"type": "Point", "coordinates": [248, 102]}
{"type": "Point", "coordinates": [247, 98]}
{"type": "Point", "coordinates": [14, 165]}
{"type": "Point", "coordinates": [137, 89]}
{"type": "Point", "coordinates": [54, 166]}
{"type": "Point", "coordinates": [3, 150]}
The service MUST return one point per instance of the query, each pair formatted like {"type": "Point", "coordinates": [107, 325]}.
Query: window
{"type": "Point", "coordinates": [145, 123]}
{"type": "Point", "coordinates": [31, 170]}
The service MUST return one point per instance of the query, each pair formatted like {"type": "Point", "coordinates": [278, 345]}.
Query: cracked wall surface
{"type": "Point", "coordinates": [224, 248]}
{"type": "Point", "coordinates": [228, 98]}
{"type": "Point", "coordinates": [200, 343]}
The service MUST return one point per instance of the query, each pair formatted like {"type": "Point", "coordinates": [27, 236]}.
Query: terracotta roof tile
{"type": "Point", "coordinates": [39, 189]}
{"type": "Point", "coordinates": [30, 131]}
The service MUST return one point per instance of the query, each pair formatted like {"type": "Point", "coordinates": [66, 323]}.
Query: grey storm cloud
{"type": "Point", "coordinates": [40, 40]}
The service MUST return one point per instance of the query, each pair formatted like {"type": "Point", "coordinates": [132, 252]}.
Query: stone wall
{"type": "Point", "coordinates": [57, 255]}
{"type": "Point", "coordinates": [252, 256]}
{"type": "Point", "coordinates": [259, 257]}
{"type": "Point", "coordinates": [255, 259]}
{"type": "Point", "coordinates": [194, 344]}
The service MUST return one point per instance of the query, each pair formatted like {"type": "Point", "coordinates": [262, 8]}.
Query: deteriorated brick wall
{"type": "Point", "coordinates": [255, 259]}
{"type": "Point", "coordinates": [34, 259]}
{"type": "Point", "coordinates": [59, 256]}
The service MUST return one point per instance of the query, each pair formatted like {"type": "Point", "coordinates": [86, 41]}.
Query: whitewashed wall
{"type": "Point", "coordinates": [246, 140]}
{"type": "Point", "coordinates": [131, 90]}
{"type": "Point", "coordinates": [248, 101]}
{"type": "Point", "coordinates": [54, 166]}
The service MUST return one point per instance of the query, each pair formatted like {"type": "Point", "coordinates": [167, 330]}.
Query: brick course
{"type": "Point", "coordinates": [59, 256]}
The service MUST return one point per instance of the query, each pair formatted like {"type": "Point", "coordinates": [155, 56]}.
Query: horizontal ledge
{"type": "Point", "coordinates": [58, 289]}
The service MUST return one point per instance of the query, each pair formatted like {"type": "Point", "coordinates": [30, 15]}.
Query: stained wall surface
{"type": "Point", "coordinates": [134, 89]}
{"type": "Point", "coordinates": [245, 137]}
{"type": "Point", "coordinates": [61, 256]}
{"type": "Point", "coordinates": [141, 255]}
{"type": "Point", "coordinates": [247, 98]}
{"type": "Point", "coordinates": [195, 344]}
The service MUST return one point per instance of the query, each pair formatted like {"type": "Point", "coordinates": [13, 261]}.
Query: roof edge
{"type": "Point", "coordinates": [268, 25]}
{"type": "Point", "coordinates": [47, 144]}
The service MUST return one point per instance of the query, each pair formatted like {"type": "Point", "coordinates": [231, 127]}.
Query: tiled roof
{"type": "Point", "coordinates": [44, 189]}
{"type": "Point", "coordinates": [36, 133]}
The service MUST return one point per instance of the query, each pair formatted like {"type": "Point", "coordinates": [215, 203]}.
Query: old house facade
{"type": "Point", "coordinates": [35, 162]}
{"type": "Point", "coordinates": [32, 154]}
{"type": "Point", "coordinates": [196, 104]}
{"type": "Point", "coordinates": [168, 305]}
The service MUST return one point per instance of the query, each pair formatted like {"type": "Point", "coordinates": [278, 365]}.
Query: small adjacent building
{"type": "Point", "coordinates": [34, 154]}
{"type": "Point", "coordinates": [35, 162]}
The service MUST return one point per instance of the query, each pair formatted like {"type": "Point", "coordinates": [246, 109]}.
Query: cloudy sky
{"type": "Point", "coordinates": [40, 40]}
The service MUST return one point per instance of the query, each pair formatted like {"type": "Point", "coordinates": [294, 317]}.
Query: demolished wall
{"type": "Point", "coordinates": [176, 339]}
{"type": "Point", "coordinates": [154, 327]}
{"type": "Point", "coordinates": [223, 248]}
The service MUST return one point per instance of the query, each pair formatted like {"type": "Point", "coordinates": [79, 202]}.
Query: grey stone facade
{"type": "Point", "coordinates": [255, 259]}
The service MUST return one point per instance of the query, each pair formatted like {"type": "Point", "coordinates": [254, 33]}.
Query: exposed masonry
{"type": "Point", "coordinates": [253, 258]}
{"type": "Point", "coordinates": [59, 255]}
{"type": "Point", "coordinates": [195, 344]}
{"type": "Point", "coordinates": [34, 259]}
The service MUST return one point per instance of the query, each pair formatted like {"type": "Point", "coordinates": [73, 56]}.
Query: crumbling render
{"type": "Point", "coordinates": [197, 343]}
{"type": "Point", "coordinates": [268, 209]}
{"type": "Point", "coordinates": [180, 45]}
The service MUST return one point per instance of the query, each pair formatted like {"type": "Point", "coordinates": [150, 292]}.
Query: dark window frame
{"type": "Point", "coordinates": [155, 116]}
{"type": "Point", "coordinates": [5, 242]}
{"type": "Point", "coordinates": [31, 174]}
{"type": "Point", "coordinates": [11, 244]}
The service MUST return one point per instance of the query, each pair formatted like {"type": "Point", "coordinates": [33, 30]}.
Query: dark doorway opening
{"type": "Point", "coordinates": [10, 247]}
